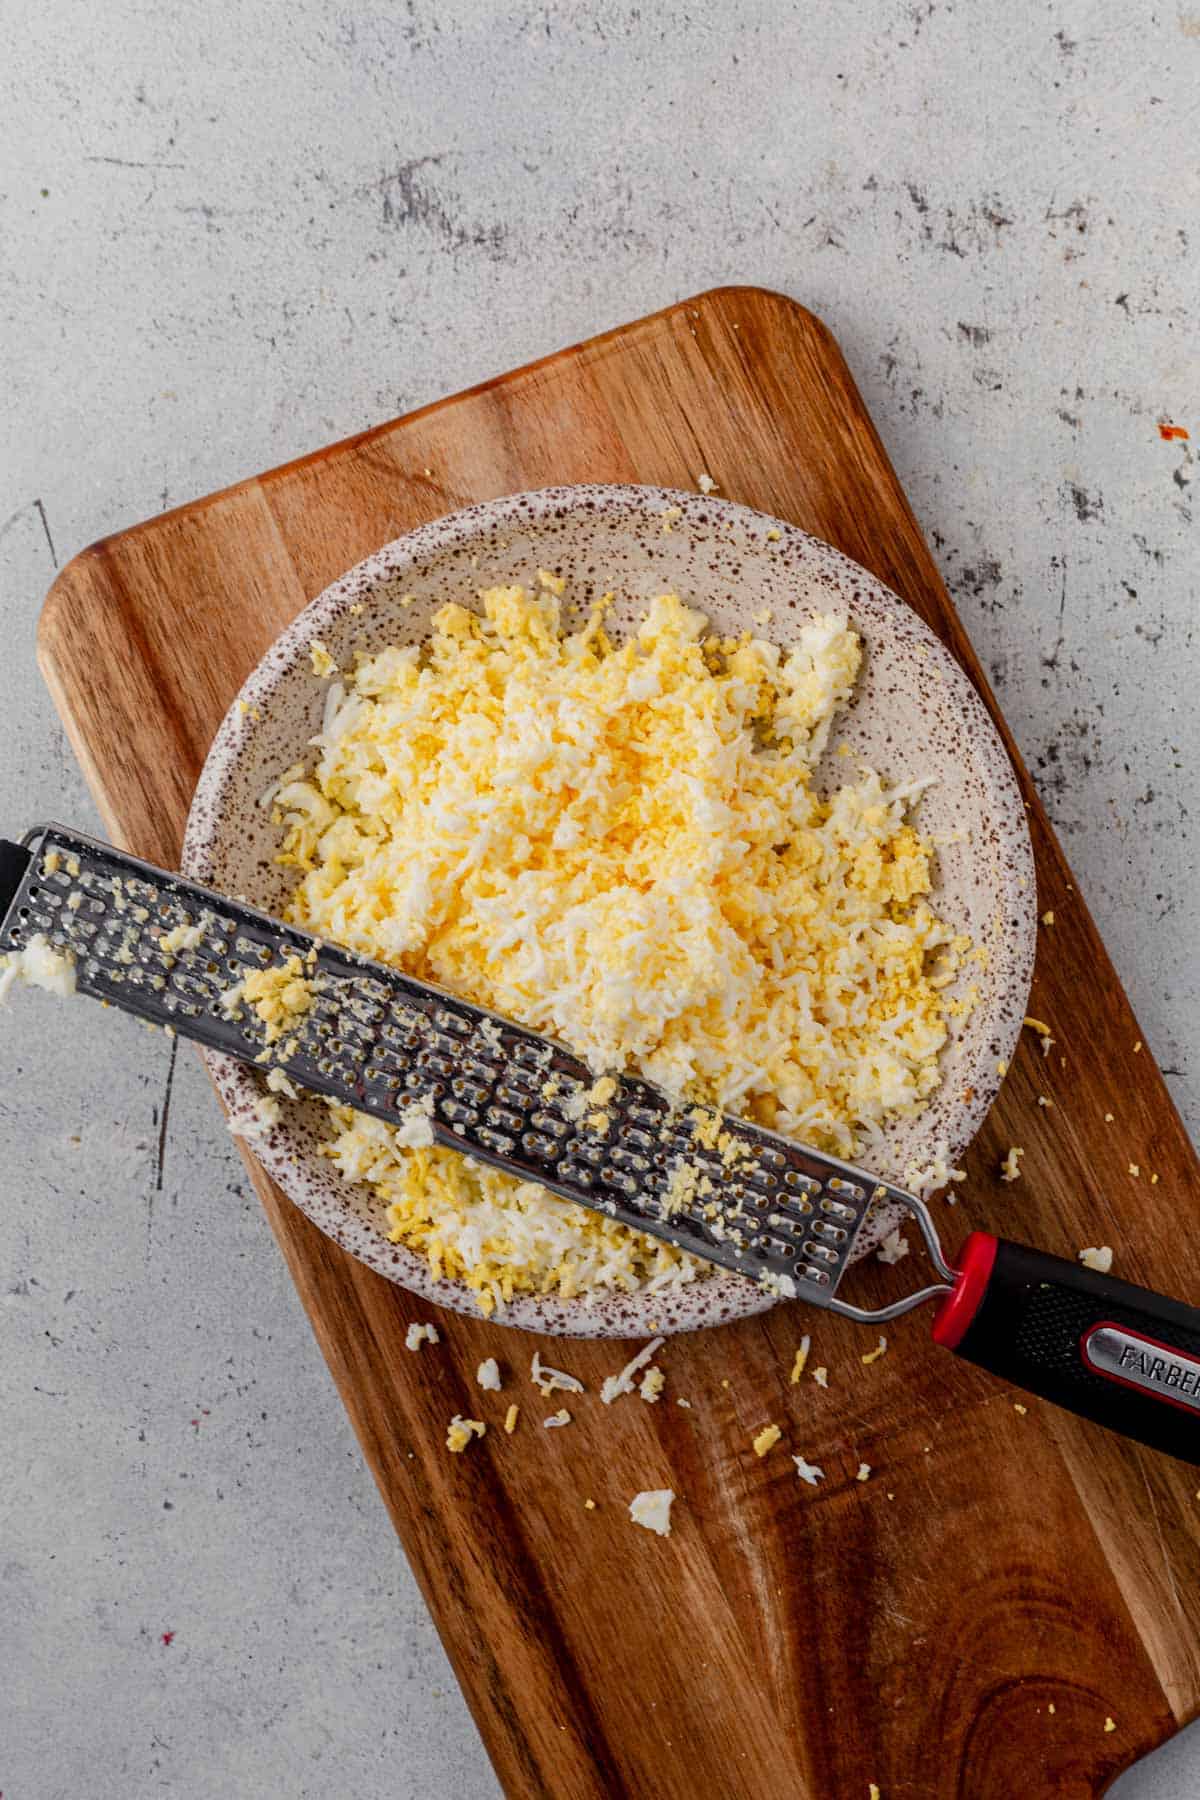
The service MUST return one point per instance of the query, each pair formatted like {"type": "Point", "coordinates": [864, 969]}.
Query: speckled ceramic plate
{"type": "Point", "coordinates": [914, 714]}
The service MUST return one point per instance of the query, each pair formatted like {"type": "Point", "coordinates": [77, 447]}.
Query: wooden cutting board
{"type": "Point", "coordinates": [964, 1622]}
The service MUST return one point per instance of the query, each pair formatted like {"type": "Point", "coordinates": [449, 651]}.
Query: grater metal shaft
{"type": "Point", "coordinates": [374, 1038]}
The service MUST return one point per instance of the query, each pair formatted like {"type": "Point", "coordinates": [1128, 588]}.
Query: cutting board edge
{"type": "Point", "coordinates": [64, 581]}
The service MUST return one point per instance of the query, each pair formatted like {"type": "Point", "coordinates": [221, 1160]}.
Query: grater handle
{"type": "Point", "coordinates": [14, 863]}
{"type": "Point", "coordinates": [1118, 1354]}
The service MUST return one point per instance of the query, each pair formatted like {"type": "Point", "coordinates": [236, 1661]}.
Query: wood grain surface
{"type": "Point", "coordinates": [963, 1623]}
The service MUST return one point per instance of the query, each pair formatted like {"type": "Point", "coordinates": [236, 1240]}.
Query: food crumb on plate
{"type": "Point", "coordinates": [416, 1335]}
{"type": "Point", "coordinates": [652, 1510]}
{"type": "Point", "coordinates": [766, 1440]}
{"type": "Point", "coordinates": [1099, 1258]}
{"type": "Point", "coordinates": [460, 1433]}
{"type": "Point", "coordinates": [669, 515]}
{"type": "Point", "coordinates": [774, 535]}
{"type": "Point", "coordinates": [1010, 1168]}
{"type": "Point", "coordinates": [809, 1472]}
{"type": "Point", "coordinates": [322, 663]}
{"type": "Point", "coordinates": [893, 1247]}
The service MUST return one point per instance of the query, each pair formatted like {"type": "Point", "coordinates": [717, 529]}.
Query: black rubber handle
{"type": "Point", "coordinates": [14, 860]}
{"type": "Point", "coordinates": [1121, 1355]}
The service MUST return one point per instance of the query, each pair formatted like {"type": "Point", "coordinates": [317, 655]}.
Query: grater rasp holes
{"type": "Point", "coordinates": [375, 1039]}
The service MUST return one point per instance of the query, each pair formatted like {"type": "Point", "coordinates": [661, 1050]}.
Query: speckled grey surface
{"type": "Point", "coordinates": [266, 227]}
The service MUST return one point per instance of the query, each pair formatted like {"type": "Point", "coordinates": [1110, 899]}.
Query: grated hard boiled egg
{"type": "Point", "coordinates": [619, 844]}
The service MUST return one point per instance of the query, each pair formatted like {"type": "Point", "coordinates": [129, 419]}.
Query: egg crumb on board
{"type": "Point", "coordinates": [589, 1505]}
{"type": "Point", "coordinates": [510, 1419]}
{"type": "Point", "coordinates": [461, 1432]}
{"type": "Point", "coordinates": [1010, 1168]}
{"type": "Point", "coordinates": [487, 1375]}
{"type": "Point", "coordinates": [416, 1335]}
{"type": "Point", "coordinates": [38, 964]}
{"type": "Point", "coordinates": [1047, 918]}
{"type": "Point", "coordinates": [864, 1472]}
{"type": "Point", "coordinates": [873, 1792]}
{"type": "Point", "coordinates": [613, 1386]}
{"type": "Point", "coordinates": [1110, 1724]}
{"type": "Point", "coordinates": [800, 1359]}
{"type": "Point", "coordinates": [549, 1381]}
{"type": "Point", "coordinates": [874, 1355]}
{"type": "Point", "coordinates": [767, 1439]}
{"type": "Point", "coordinates": [821, 1376]}
{"type": "Point", "coordinates": [652, 1384]}
{"type": "Point", "coordinates": [618, 844]}
{"type": "Point", "coordinates": [706, 484]}
{"type": "Point", "coordinates": [1134, 1170]}
{"type": "Point", "coordinates": [1019, 1408]}
{"type": "Point", "coordinates": [1097, 1257]}
{"type": "Point", "coordinates": [652, 1509]}
{"type": "Point", "coordinates": [561, 1417]}
{"type": "Point", "coordinates": [808, 1472]}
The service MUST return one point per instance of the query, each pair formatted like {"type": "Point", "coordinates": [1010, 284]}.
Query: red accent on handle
{"type": "Point", "coordinates": [974, 1272]}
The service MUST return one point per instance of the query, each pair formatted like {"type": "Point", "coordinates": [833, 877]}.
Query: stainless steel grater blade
{"type": "Point", "coordinates": [380, 1041]}
{"type": "Point", "coordinates": [758, 1204]}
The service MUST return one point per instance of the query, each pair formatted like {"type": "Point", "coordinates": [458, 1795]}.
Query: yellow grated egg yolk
{"type": "Point", "coordinates": [619, 844]}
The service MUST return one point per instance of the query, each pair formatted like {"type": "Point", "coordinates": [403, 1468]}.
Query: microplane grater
{"type": "Point", "coordinates": [376, 1039]}
{"type": "Point", "coordinates": [772, 1210]}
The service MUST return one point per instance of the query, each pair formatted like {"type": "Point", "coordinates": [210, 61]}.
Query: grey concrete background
{"type": "Point", "coordinates": [232, 234]}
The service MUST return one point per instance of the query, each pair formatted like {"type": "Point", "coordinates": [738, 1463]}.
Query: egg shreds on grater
{"type": "Point", "coordinates": [618, 844]}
